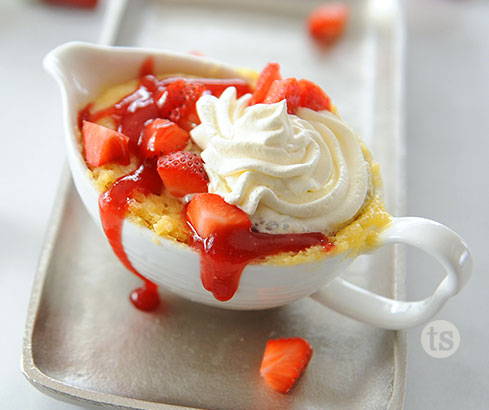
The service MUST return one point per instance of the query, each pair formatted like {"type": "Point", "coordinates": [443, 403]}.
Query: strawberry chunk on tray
{"type": "Point", "coordinates": [284, 361]}
{"type": "Point", "coordinates": [268, 75]}
{"type": "Point", "coordinates": [182, 173]}
{"type": "Point", "coordinates": [327, 22]}
{"type": "Point", "coordinates": [161, 137]}
{"type": "Point", "coordinates": [103, 145]}
{"type": "Point", "coordinates": [209, 215]}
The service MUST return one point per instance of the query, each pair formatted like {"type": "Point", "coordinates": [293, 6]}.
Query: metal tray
{"type": "Point", "coordinates": [85, 343]}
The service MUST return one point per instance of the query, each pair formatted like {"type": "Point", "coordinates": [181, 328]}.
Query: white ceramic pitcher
{"type": "Point", "coordinates": [82, 70]}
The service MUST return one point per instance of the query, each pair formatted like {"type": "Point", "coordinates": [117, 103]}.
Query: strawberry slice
{"type": "Point", "coordinates": [183, 173]}
{"type": "Point", "coordinates": [196, 53]}
{"type": "Point", "coordinates": [313, 97]}
{"type": "Point", "coordinates": [327, 22]}
{"type": "Point", "coordinates": [160, 137]}
{"type": "Point", "coordinates": [268, 75]}
{"type": "Point", "coordinates": [283, 362]}
{"type": "Point", "coordinates": [288, 89]}
{"type": "Point", "coordinates": [209, 214]}
{"type": "Point", "coordinates": [177, 102]}
{"type": "Point", "coordinates": [103, 145]}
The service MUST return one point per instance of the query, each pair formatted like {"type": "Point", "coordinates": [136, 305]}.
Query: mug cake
{"type": "Point", "coordinates": [261, 170]}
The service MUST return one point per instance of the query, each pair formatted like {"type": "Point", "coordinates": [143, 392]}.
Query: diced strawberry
{"type": "Point", "coordinates": [103, 145]}
{"type": "Point", "coordinates": [183, 173]}
{"type": "Point", "coordinates": [327, 22]}
{"type": "Point", "coordinates": [285, 89]}
{"type": "Point", "coordinates": [209, 215]}
{"type": "Point", "coordinates": [268, 75]}
{"type": "Point", "coordinates": [283, 362]}
{"type": "Point", "coordinates": [160, 137]}
{"type": "Point", "coordinates": [177, 102]}
{"type": "Point", "coordinates": [313, 97]}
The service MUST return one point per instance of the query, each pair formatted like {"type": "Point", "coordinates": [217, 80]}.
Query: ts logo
{"type": "Point", "coordinates": [440, 339]}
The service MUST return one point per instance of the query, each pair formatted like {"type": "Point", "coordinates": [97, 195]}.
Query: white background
{"type": "Point", "coordinates": [447, 133]}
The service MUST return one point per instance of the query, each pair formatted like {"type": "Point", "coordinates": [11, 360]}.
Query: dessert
{"type": "Point", "coordinates": [258, 171]}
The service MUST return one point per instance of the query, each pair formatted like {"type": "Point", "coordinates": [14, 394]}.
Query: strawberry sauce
{"type": "Point", "coordinates": [113, 205]}
{"type": "Point", "coordinates": [224, 255]}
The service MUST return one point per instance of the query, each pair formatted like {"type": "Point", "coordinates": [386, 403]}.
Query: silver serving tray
{"type": "Point", "coordinates": [84, 341]}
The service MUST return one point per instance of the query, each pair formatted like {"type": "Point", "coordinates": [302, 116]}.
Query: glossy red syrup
{"type": "Point", "coordinates": [215, 86]}
{"type": "Point", "coordinates": [113, 205]}
{"type": "Point", "coordinates": [224, 256]}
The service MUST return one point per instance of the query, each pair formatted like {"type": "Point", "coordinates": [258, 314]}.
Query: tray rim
{"type": "Point", "coordinates": [75, 395]}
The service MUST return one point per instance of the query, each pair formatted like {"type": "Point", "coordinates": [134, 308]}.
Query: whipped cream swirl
{"type": "Point", "coordinates": [290, 173]}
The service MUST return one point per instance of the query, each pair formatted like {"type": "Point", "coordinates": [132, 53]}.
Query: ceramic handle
{"type": "Point", "coordinates": [435, 239]}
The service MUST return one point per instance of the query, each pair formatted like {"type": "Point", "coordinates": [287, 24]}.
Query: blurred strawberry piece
{"type": "Point", "coordinates": [327, 22]}
{"type": "Point", "coordinates": [85, 4]}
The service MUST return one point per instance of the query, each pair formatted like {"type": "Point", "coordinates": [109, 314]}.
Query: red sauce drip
{"type": "Point", "coordinates": [224, 256]}
{"type": "Point", "coordinates": [145, 298]}
{"type": "Point", "coordinates": [113, 205]}
{"type": "Point", "coordinates": [84, 115]}
{"type": "Point", "coordinates": [216, 86]}
{"type": "Point", "coordinates": [147, 68]}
